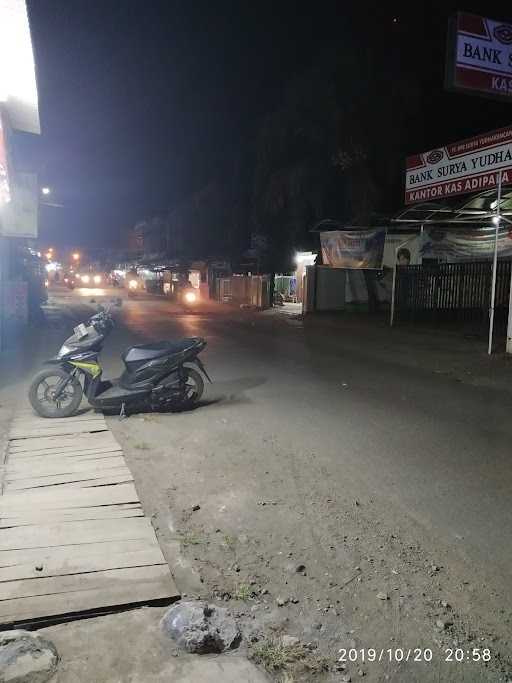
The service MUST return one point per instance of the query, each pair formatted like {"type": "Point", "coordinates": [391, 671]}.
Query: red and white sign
{"type": "Point", "coordinates": [481, 56]}
{"type": "Point", "coordinates": [467, 166]}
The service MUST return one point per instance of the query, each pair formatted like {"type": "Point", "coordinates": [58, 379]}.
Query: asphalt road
{"type": "Point", "coordinates": [320, 415]}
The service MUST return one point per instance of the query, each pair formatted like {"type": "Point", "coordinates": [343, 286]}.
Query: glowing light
{"type": "Point", "coordinates": [17, 70]}
{"type": "Point", "coordinates": [305, 257]}
{"type": "Point", "coordinates": [190, 297]}
{"type": "Point", "coordinates": [133, 284]}
{"type": "Point", "coordinates": [85, 278]}
{"type": "Point", "coordinates": [46, 191]}
{"type": "Point", "coordinates": [76, 256]}
{"type": "Point", "coordinates": [97, 279]}
{"type": "Point", "coordinates": [496, 220]}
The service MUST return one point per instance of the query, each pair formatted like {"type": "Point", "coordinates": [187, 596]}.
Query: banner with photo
{"type": "Point", "coordinates": [474, 244]}
{"type": "Point", "coordinates": [353, 248]}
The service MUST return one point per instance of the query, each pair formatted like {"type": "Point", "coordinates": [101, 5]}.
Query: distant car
{"type": "Point", "coordinates": [92, 279]}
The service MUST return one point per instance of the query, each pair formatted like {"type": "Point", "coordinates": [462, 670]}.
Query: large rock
{"type": "Point", "coordinates": [201, 628]}
{"type": "Point", "coordinates": [26, 657]}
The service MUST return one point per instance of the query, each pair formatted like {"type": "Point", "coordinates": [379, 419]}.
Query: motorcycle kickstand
{"type": "Point", "coordinates": [122, 413]}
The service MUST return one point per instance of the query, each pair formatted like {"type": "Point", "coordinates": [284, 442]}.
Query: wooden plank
{"type": "Point", "coordinates": [12, 558]}
{"type": "Point", "coordinates": [47, 453]}
{"type": "Point", "coordinates": [46, 421]}
{"type": "Point", "coordinates": [37, 432]}
{"type": "Point", "coordinates": [116, 475]}
{"type": "Point", "coordinates": [108, 589]}
{"type": "Point", "coordinates": [132, 556]}
{"type": "Point", "coordinates": [55, 500]}
{"type": "Point", "coordinates": [29, 411]}
{"type": "Point", "coordinates": [51, 466]}
{"type": "Point", "coordinates": [69, 583]}
{"type": "Point", "coordinates": [52, 516]}
{"type": "Point", "coordinates": [77, 443]}
{"type": "Point", "coordinates": [74, 533]}
{"type": "Point", "coordinates": [92, 441]}
{"type": "Point", "coordinates": [89, 468]}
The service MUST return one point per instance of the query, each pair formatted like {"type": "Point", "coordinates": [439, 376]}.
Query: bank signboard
{"type": "Point", "coordinates": [479, 58]}
{"type": "Point", "coordinates": [467, 166]}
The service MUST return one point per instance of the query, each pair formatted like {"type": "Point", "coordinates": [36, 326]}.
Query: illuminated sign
{"type": "Point", "coordinates": [470, 165]}
{"type": "Point", "coordinates": [18, 89]}
{"type": "Point", "coordinates": [479, 59]}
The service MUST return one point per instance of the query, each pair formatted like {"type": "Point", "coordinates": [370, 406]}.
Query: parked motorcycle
{"type": "Point", "coordinates": [161, 376]}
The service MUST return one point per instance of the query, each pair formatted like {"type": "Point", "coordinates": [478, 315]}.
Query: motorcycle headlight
{"type": "Point", "coordinates": [85, 278]}
{"type": "Point", "coordinates": [190, 297]}
{"type": "Point", "coordinates": [97, 279]}
{"type": "Point", "coordinates": [133, 284]}
{"type": "Point", "coordinates": [64, 350]}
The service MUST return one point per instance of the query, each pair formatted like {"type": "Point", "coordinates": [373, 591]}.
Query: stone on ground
{"type": "Point", "coordinates": [26, 657]}
{"type": "Point", "coordinates": [201, 628]}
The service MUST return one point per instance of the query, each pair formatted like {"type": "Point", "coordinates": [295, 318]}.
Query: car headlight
{"type": "Point", "coordinates": [190, 297]}
{"type": "Point", "coordinates": [97, 279]}
{"type": "Point", "coordinates": [85, 278]}
{"type": "Point", "coordinates": [64, 350]}
{"type": "Point", "coordinates": [133, 284]}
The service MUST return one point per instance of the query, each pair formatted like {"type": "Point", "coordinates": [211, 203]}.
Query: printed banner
{"type": "Point", "coordinates": [468, 166]}
{"type": "Point", "coordinates": [353, 248]}
{"type": "Point", "coordinates": [466, 245]}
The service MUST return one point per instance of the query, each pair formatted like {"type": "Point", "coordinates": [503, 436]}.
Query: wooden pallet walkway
{"type": "Point", "coordinates": [73, 536]}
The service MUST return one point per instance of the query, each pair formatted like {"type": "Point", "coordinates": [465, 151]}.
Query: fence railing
{"type": "Point", "coordinates": [450, 291]}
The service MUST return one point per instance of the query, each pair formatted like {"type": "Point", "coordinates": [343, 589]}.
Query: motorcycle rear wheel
{"type": "Point", "coordinates": [43, 387]}
{"type": "Point", "coordinates": [194, 387]}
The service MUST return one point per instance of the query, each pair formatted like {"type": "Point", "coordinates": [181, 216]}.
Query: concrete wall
{"type": "Point", "coordinates": [325, 289]}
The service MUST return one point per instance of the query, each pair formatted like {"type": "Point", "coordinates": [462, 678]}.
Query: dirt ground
{"type": "Point", "coordinates": [293, 554]}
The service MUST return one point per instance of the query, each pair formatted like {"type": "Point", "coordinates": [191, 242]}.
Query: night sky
{"type": "Point", "coordinates": [142, 103]}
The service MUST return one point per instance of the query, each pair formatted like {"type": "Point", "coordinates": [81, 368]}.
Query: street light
{"type": "Point", "coordinates": [76, 256]}
{"type": "Point", "coordinates": [46, 191]}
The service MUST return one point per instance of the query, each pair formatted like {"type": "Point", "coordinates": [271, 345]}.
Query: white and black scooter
{"type": "Point", "coordinates": [161, 376]}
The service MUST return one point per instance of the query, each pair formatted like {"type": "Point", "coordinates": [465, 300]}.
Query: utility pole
{"type": "Point", "coordinates": [497, 220]}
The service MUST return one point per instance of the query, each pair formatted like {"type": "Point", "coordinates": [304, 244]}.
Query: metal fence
{"type": "Point", "coordinates": [451, 291]}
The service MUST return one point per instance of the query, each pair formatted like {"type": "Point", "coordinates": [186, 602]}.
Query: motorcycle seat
{"type": "Point", "coordinates": [147, 352]}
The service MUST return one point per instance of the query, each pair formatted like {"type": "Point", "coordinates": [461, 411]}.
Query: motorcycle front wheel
{"type": "Point", "coordinates": [42, 393]}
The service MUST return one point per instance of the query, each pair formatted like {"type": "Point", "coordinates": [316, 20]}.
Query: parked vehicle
{"type": "Point", "coordinates": [160, 376]}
